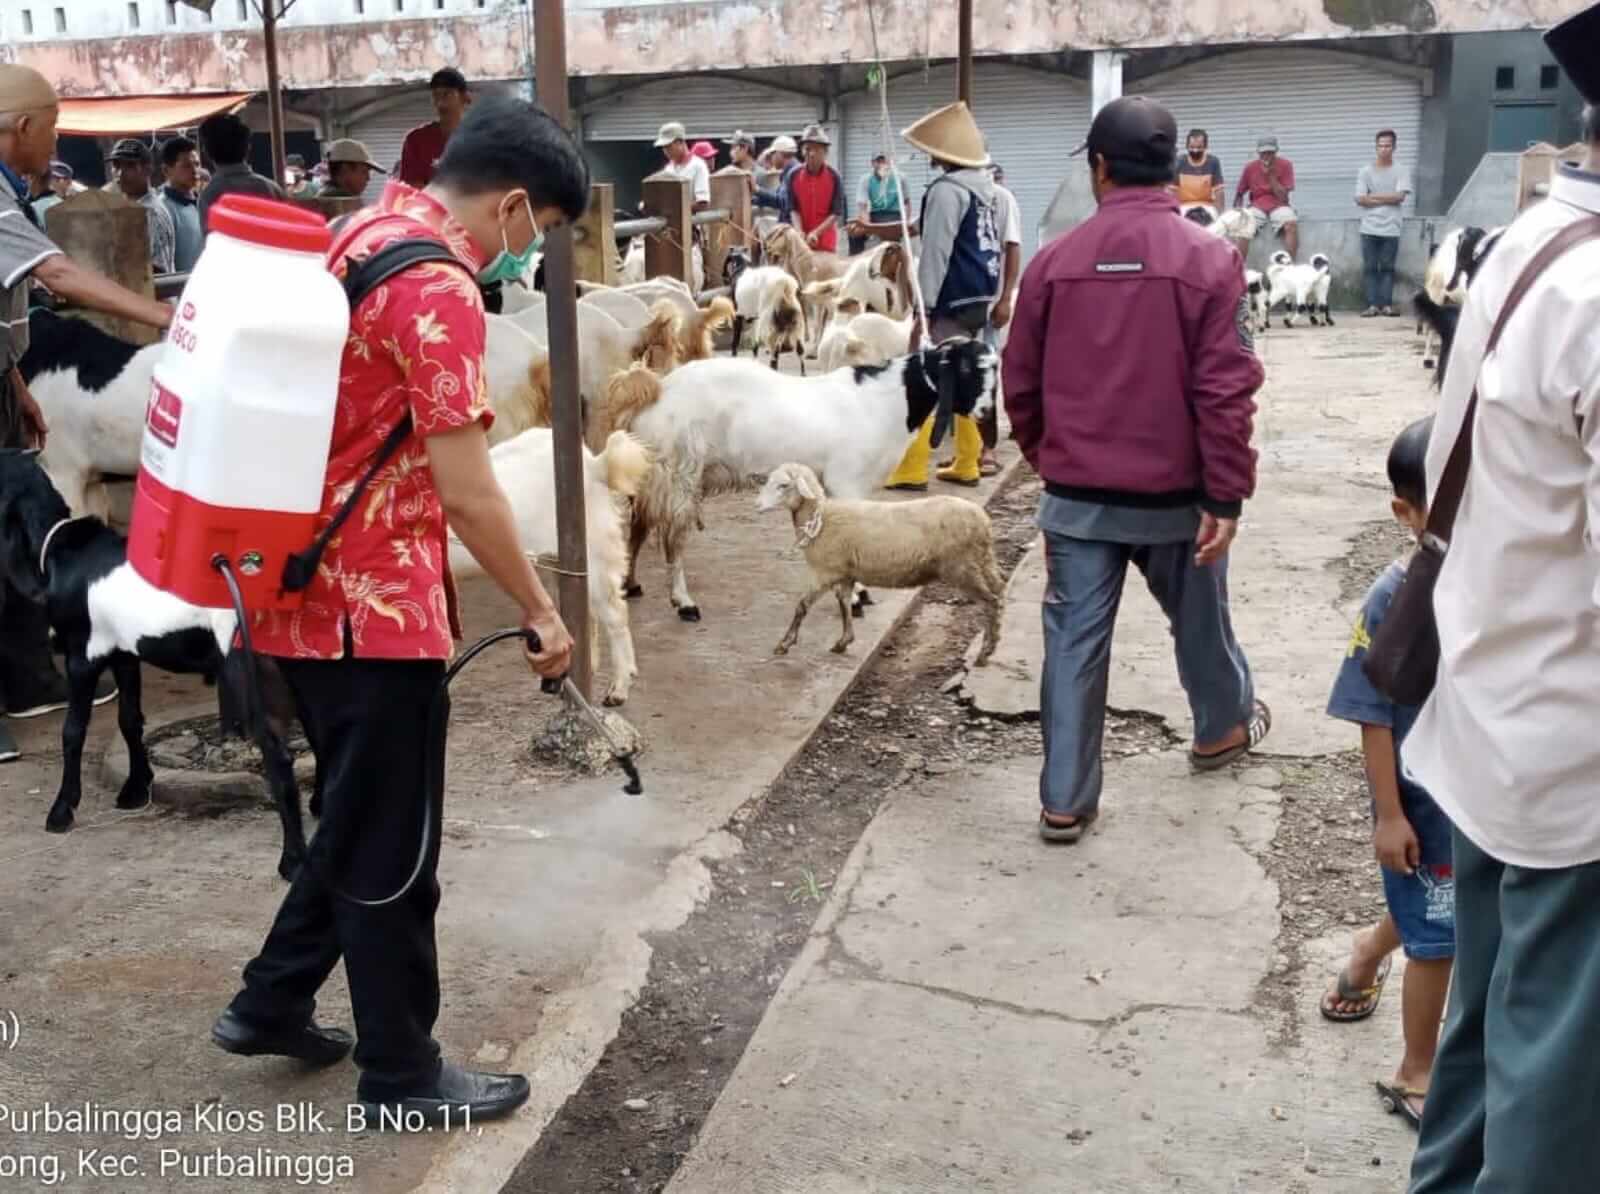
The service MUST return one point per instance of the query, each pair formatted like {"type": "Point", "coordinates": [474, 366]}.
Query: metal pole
{"type": "Point", "coordinates": [561, 295]}
{"type": "Point", "coordinates": [964, 53]}
{"type": "Point", "coordinates": [269, 47]}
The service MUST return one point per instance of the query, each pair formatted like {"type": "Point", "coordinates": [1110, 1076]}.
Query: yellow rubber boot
{"type": "Point", "coordinates": [969, 445]}
{"type": "Point", "coordinates": [912, 472]}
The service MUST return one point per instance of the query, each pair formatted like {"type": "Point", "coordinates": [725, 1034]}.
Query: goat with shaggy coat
{"type": "Point", "coordinates": [770, 297]}
{"type": "Point", "coordinates": [889, 545]}
{"type": "Point", "coordinates": [785, 246]}
{"type": "Point", "coordinates": [717, 424]}
{"type": "Point", "coordinates": [525, 470]}
{"type": "Point", "coordinates": [105, 616]}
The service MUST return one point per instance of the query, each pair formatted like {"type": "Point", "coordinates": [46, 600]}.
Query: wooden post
{"type": "Point", "coordinates": [105, 232]}
{"type": "Point", "coordinates": [594, 243]}
{"type": "Point", "coordinates": [964, 52]}
{"type": "Point", "coordinates": [667, 252]}
{"type": "Point", "coordinates": [561, 294]}
{"type": "Point", "coordinates": [730, 188]}
{"type": "Point", "coordinates": [269, 49]}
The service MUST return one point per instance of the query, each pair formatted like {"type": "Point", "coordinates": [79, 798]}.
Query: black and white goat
{"type": "Point", "coordinates": [1450, 271]}
{"type": "Point", "coordinates": [717, 425]}
{"type": "Point", "coordinates": [1302, 289]}
{"type": "Point", "coordinates": [105, 616]}
{"type": "Point", "coordinates": [93, 390]}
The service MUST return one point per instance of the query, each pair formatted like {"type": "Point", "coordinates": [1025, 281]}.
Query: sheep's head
{"type": "Point", "coordinates": [1321, 263]}
{"type": "Point", "coordinates": [959, 377]}
{"type": "Point", "coordinates": [789, 486]}
{"type": "Point", "coordinates": [1281, 259]}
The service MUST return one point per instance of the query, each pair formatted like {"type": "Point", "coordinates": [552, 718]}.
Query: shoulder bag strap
{"type": "Point", "coordinates": [1453, 483]}
{"type": "Point", "coordinates": [360, 280]}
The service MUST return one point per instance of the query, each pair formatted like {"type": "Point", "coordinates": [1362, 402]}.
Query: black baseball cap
{"type": "Point", "coordinates": [1134, 128]}
{"type": "Point", "coordinates": [1575, 44]}
{"type": "Point", "coordinates": [448, 77]}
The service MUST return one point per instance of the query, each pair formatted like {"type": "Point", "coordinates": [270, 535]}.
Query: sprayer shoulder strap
{"type": "Point", "coordinates": [361, 279]}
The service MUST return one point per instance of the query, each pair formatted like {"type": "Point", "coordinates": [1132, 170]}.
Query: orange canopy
{"type": "Point", "coordinates": [131, 115]}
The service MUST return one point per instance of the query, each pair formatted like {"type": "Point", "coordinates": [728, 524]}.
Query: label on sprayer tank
{"type": "Point", "coordinates": [161, 421]}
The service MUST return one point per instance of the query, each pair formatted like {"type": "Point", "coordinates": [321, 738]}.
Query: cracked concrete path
{"type": "Point", "coordinates": [979, 1011]}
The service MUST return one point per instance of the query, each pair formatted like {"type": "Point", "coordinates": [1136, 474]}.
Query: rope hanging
{"type": "Point", "coordinates": [887, 132]}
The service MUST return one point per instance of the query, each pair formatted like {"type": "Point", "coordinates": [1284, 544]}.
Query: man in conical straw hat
{"type": "Point", "coordinates": [958, 268]}
{"type": "Point", "coordinates": [29, 683]}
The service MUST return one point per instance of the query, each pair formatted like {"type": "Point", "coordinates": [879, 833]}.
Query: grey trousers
{"type": "Point", "coordinates": [1082, 594]}
{"type": "Point", "coordinates": [1514, 1104]}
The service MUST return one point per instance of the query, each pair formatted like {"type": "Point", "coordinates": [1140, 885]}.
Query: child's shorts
{"type": "Point", "coordinates": [1424, 904]}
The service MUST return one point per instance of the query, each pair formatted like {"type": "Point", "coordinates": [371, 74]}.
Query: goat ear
{"type": "Point", "coordinates": [806, 487]}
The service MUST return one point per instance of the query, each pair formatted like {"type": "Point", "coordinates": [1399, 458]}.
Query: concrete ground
{"type": "Point", "coordinates": [120, 942]}
{"type": "Point", "coordinates": [976, 1010]}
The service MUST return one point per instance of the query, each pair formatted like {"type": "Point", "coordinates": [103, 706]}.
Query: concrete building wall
{"type": "Point", "coordinates": [328, 43]}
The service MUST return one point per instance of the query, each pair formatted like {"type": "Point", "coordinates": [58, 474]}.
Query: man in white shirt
{"type": "Point", "coordinates": [1507, 745]}
{"type": "Point", "coordinates": [673, 141]}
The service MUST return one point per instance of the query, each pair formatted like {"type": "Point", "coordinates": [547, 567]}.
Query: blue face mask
{"type": "Point", "coordinates": [508, 265]}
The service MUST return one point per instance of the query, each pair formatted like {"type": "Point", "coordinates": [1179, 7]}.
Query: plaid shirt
{"type": "Point", "coordinates": [416, 344]}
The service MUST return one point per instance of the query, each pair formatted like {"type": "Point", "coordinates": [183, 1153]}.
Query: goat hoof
{"type": "Point", "coordinates": [781, 649]}
{"type": "Point", "coordinates": [135, 793]}
{"type": "Point", "coordinates": [632, 592]}
{"type": "Point", "coordinates": [60, 819]}
{"type": "Point", "coordinates": [839, 648]}
{"type": "Point", "coordinates": [615, 700]}
{"type": "Point", "coordinates": [858, 609]}
{"type": "Point", "coordinates": [688, 613]}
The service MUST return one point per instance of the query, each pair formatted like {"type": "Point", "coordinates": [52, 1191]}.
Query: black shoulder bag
{"type": "Point", "coordinates": [1403, 660]}
{"type": "Point", "coordinates": [360, 280]}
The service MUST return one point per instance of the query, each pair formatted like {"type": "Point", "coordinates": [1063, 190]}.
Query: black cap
{"type": "Point", "coordinates": [1134, 129]}
{"type": "Point", "coordinates": [130, 149]}
{"type": "Point", "coordinates": [448, 77]}
{"type": "Point", "coordinates": [1575, 44]}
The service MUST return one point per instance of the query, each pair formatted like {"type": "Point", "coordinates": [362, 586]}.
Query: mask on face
{"type": "Point", "coordinates": [506, 264]}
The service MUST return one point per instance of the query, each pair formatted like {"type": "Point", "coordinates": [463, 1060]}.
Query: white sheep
{"type": "Point", "coordinates": [1302, 289]}
{"type": "Point", "coordinates": [716, 424]}
{"type": "Point", "coordinates": [629, 310]}
{"type": "Point", "coordinates": [663, 289]}
{"type": "Point", "coordinates": [889, 545]}
{"type": "Point", "coordinates": [633, 269]}
{"type": "Point", "coordinates": [525, 469]}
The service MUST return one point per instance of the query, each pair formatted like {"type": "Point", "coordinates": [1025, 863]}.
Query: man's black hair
{"type": "Point", "coordinates": [504, 143]}
{"type": "Point", "coordinates": [1201, 133]}
{"type": "Point", "coordinates": [1389, 133]}
{"type": "Point", "coordinates": [174, 149]}
{"type": "Point", "coordinates": [449, 77]}
{"type": "Point", "coordinates": [226, 139]}
{"type": "Point", "coordinates": [1408, 461]}
{"type": "Point", "coordinates": [1128, 173]}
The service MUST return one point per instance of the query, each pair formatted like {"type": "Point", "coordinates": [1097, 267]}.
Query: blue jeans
{"type": "Point", "coordinates": [1082, 593]}
{"type": "Point", "coordinates": [1378, 255]}
{"type": "Point", "coordinates": [1511, 1108]}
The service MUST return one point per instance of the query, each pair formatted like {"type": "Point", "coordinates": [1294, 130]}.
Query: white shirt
{"type": "Point", "coordinates": [1010, 216]}
{"type": "Point", "coordinates": [694, 169]}
{"type": "Point", "coordinates": [1508, 744]}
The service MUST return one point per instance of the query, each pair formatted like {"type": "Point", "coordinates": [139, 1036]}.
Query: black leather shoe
{"type": "Point", "coordinates": [309, 1043]}
{"type": "Point", "coordinates": [457, 1098]}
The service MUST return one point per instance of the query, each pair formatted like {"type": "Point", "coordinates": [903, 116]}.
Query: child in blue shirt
{"type": "Point", "coordinates": [1411, 835]}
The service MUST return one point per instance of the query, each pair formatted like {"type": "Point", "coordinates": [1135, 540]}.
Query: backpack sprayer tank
{"type": "Point", "coordinates": [242, 407]}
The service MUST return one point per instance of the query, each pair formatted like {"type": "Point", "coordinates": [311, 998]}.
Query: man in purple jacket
{"type": "Point", "coordinates": [1130, 379]}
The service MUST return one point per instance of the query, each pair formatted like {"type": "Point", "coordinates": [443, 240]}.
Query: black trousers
{"type": "Point", "coordinates": [369, 726]}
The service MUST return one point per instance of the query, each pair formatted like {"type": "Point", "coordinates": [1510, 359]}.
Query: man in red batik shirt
{"type": "Point", "coordinates": [365, 654]}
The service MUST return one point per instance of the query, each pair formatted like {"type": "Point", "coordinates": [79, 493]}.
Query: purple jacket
{"type": "Point", "coordinates": [1130, 374]}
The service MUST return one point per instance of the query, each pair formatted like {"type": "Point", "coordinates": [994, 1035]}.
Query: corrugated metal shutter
{"type": "Point", "coordinates": [1325, 110]}
{"type": "Point", "coordinates": [1032, 120]}
{"type": "Point", "coordinates": [709, 106]}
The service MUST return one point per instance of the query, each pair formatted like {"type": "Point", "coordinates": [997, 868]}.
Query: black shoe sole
{"type": "Point", "coordinates": [268, 1048]}
{"type": "Point", "coordinates": [416, 1115]}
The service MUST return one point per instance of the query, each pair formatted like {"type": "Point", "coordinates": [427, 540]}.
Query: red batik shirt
{"type": "Point", "coordinates": [416, 344]}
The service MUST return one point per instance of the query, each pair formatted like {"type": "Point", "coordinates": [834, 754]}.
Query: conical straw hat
{"type": "Point", "coordinates": [950, 135]}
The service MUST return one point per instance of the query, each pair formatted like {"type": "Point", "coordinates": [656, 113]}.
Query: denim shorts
{"type": "Point", "coordinates": [1424, 904]}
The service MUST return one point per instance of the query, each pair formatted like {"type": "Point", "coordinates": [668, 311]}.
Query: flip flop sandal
{"type": "Point", "coordinates": [1343, 992]}
{"type": "Point", "coordinates": [1396, 1100]}
{"type": "Point", "coordinates": [989, 468]}
{"type": "Point", "coordinates": [1065, 834]}
{"type": "Point", "coordinates": [1256, 729]}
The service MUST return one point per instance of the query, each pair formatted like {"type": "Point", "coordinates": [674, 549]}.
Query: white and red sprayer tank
{"type": "Point", "coordinates": [241, 412]}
